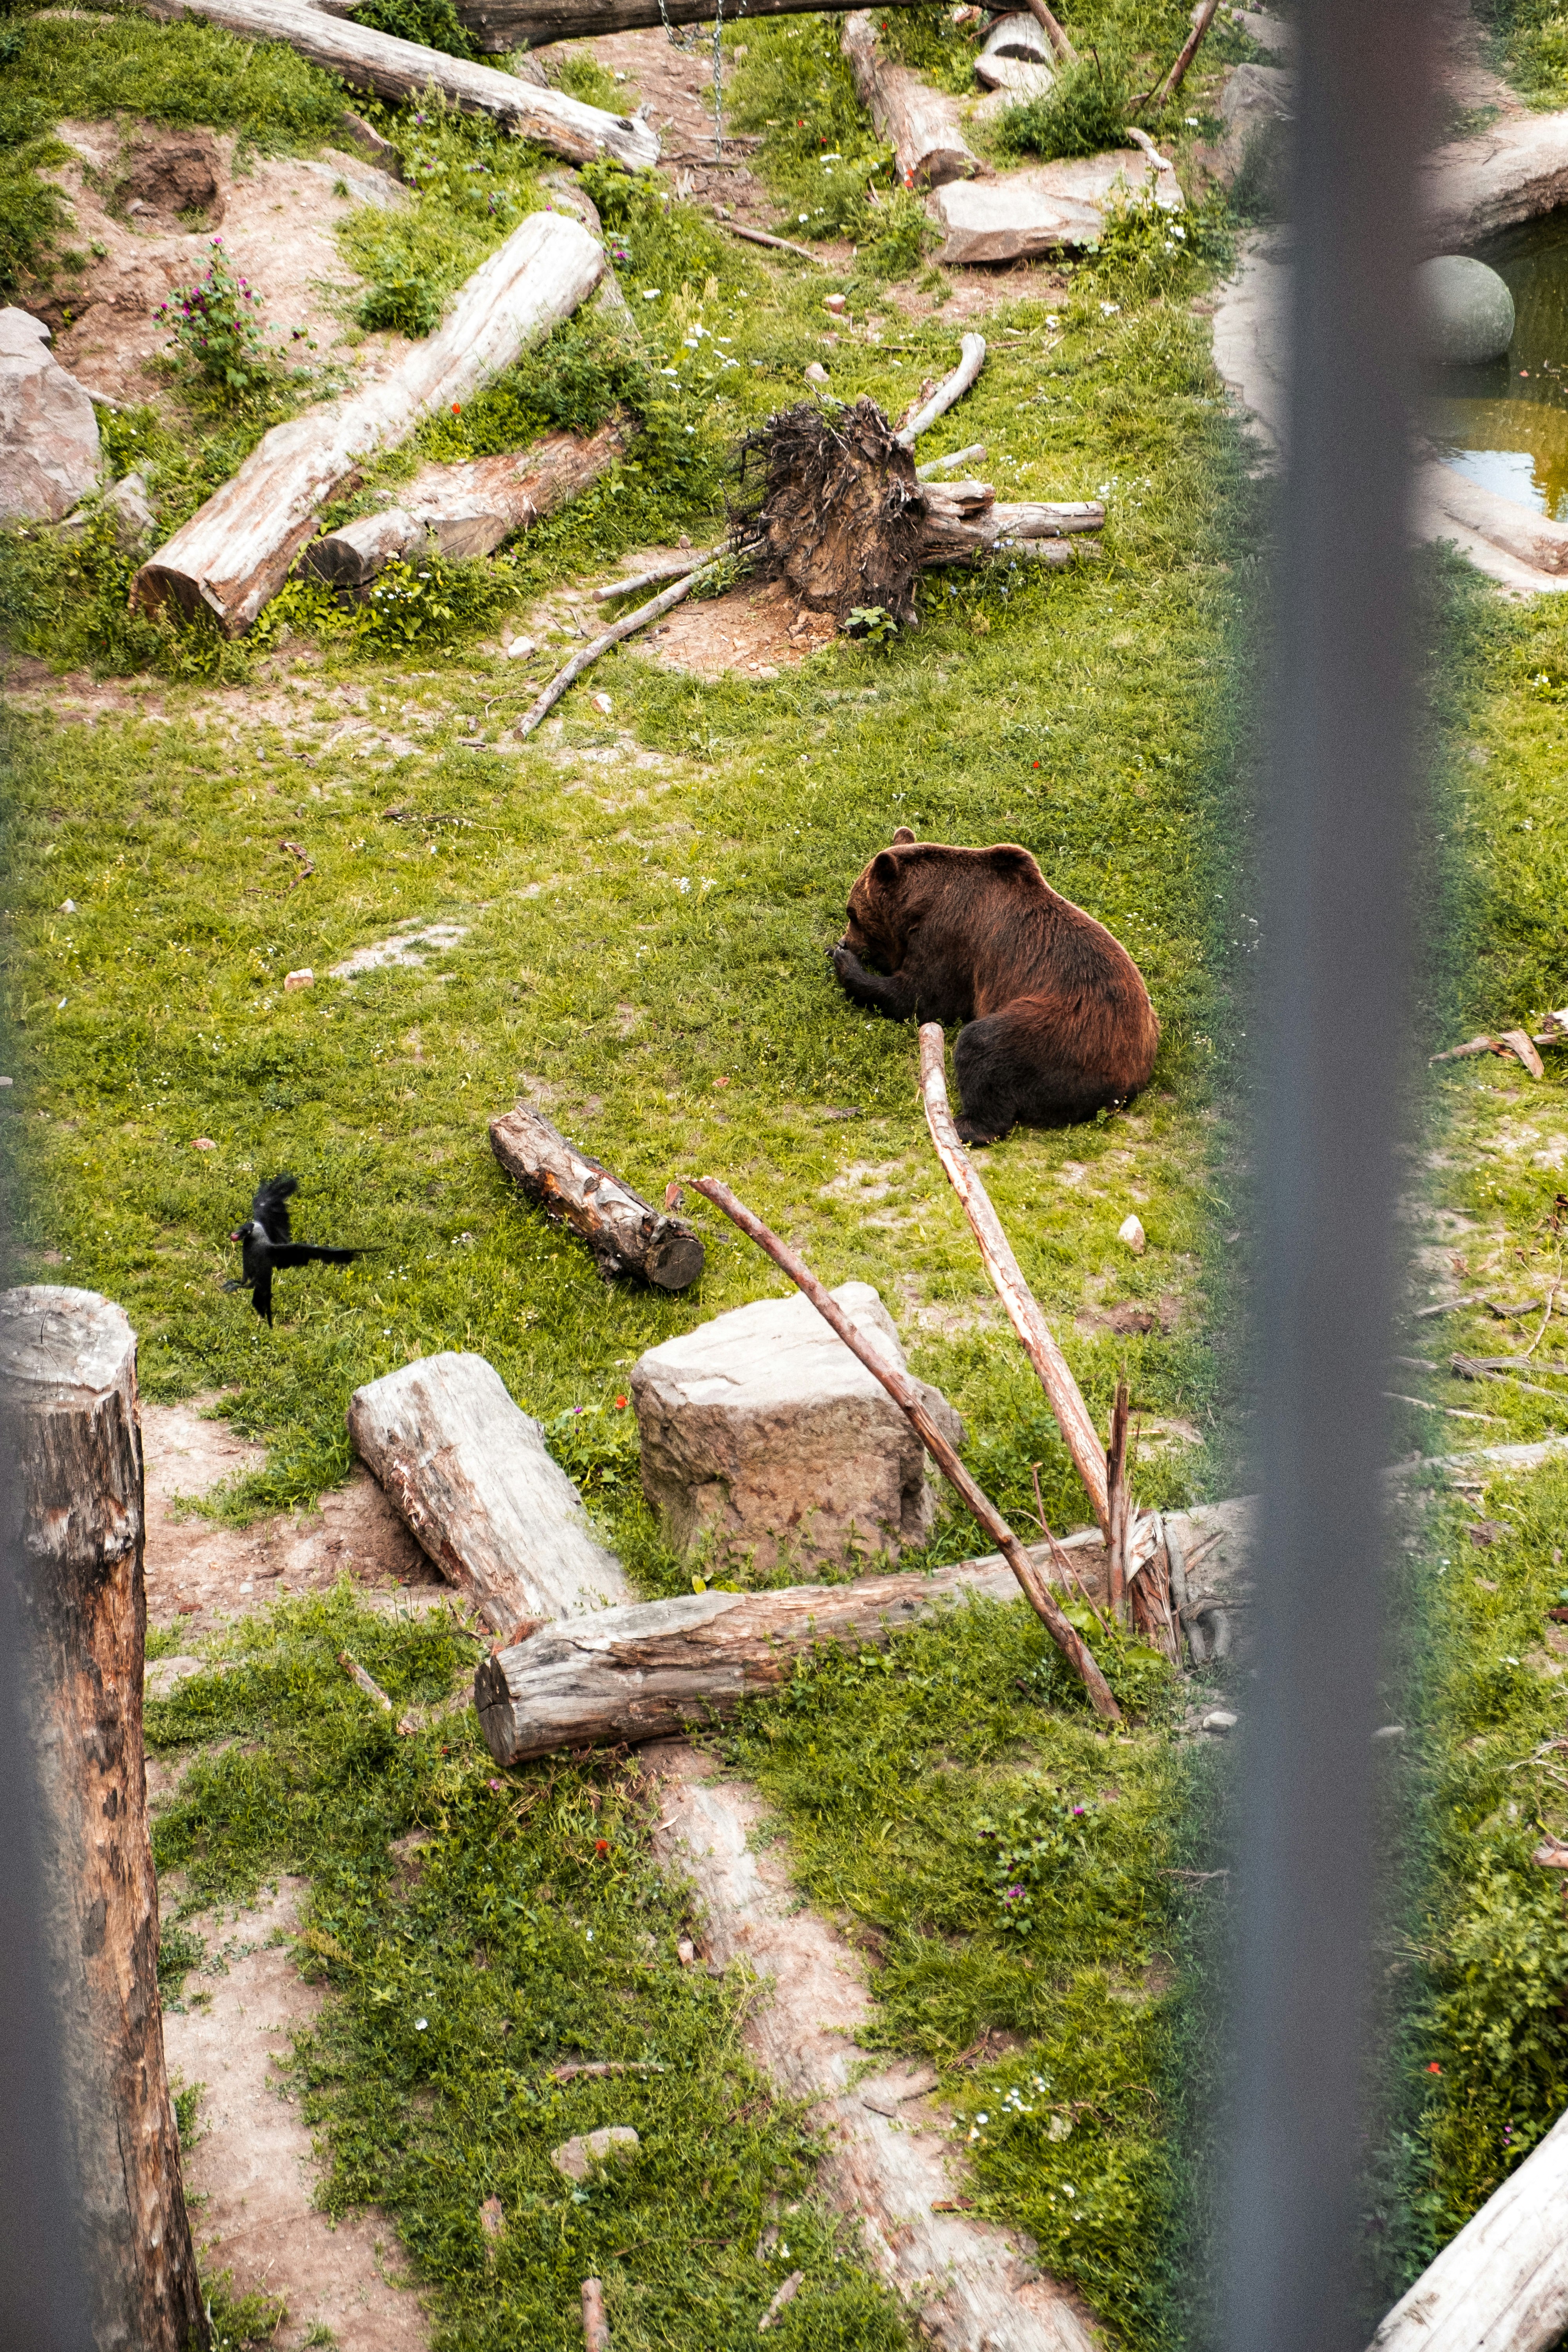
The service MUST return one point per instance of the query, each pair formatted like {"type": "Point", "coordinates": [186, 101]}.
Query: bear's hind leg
{"type": "Point", "coordinates": [1007, 1069]}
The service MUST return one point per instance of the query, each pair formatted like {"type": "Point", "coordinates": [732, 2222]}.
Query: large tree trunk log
{"type": "Point", "coordinates": [661, 1666]}
{"type": "Point", "coordinates": [625, 1233]}
{"type": "Point", "coordinates": [463, 511]}
{"type": "Point", "coordinates": [920, 124]}
{"type": "Point", "coordinates": [74, 1507]}
{"type": "Point", "coordinates": [473, 1479]}
{"type": "Point", "coordinates": [401, 69]}
{"type": "Point", "coordinates": [235, 552]}
{"type": "Point", "coordinates": [1504, 2279]}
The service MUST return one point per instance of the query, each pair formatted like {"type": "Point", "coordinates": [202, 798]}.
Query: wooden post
{"type": "Point", "coordinates": [1116, 1485]}
{"type": "Point", "coordinates": [73, 1439]}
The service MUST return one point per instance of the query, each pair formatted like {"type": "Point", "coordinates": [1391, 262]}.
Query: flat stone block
{"type": "Point", "coordinates": [1027, 214]}
{"type": "Point", "coordinates": [763, 1434]}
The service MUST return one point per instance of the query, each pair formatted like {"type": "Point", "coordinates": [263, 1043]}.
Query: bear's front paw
{"type": "Point", "coordinates": [969, 1133]}
{"type": "Point", "coordinates": [846, 963]}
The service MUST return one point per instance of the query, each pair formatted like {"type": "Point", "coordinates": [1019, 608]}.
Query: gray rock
{"type": "Point", "coordinates": [1021, 78]}
{"type": "Point", "coordinates": [1255, 106]}
{"type": "Point", "coordinates": [134, 521]}
{"type": "Point", "coordinates": [574, 2157]}
{"type": "Point", "coordinates": [48, 434]}
{"type": "Point", "coordinates": [1023, 215]}
{"type": "Point", "coordinates": [1220, 1720]}
{"type": "Point", "coordinates": [762, 1431]}
{"type": "Point", "coordinates": [1466, 309]}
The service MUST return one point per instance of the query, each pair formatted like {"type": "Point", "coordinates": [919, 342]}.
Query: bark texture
{"type": "Point", "coordinates": [68, 1411]}
{"type": "Point", "coordinates": [475, 1482]}
{"type": "Point", "coordinates": [235, 552]}
{"type": "Point", "coordinates": [1504, 2279]}
{"type": "Point", "coordinates": [463, 511]}
{"type": "Point", "coordinates": [397, 69]}
{"type": "Point", "coordinates": [625, 1232]}
{"type": "Point", "coordinates": [955, 531]}
{"type": "Point", "coordinates": [921, 124]}
{"type": "Point", "coordinates": [661, 1666]}
{"type": "Point", "coordinates": [842, 517]}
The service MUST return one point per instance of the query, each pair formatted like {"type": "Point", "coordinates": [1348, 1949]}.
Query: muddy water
{"type": "Point", "coordinates": [1506, 425]}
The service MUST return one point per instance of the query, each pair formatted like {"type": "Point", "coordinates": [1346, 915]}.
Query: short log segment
{"type": "Point", "coordinates": [74, 1514]}
{"type": "Point", "coordinates": [471, 1476]}
{"type": "Point", "coordinates": [458, 511]}
{"type": "Point", "coordinates": [662, 1666]}
{"type": "Point", "coordinates": [625, 1232]}
{"type": "Point", "coordinates": [400, 70]}
{"type": "Point", "coordinates": [956, 531]}
{"type": "Point", "coordinates": [235, 552]}
{"type": "Point", "coordinates": [919, 123]}
{"type": "Point", "coordinates": [1504, 2279]}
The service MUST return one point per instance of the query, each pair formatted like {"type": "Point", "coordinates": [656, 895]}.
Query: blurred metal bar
{"type": "Point", "coordinates": [1338, 813]}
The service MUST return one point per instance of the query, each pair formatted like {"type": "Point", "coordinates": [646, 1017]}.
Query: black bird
{"type": "Point", "coordinates": [266, 1245]}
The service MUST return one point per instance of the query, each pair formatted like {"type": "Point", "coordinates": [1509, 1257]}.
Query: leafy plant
{"type": "Point", "coordinates": [410, 304]}
{"type": "Point", "coordinates": [874, 623]}
{"type": "Point", "coordinates": [1084, 113]}
{"type": "Point", "coordinates": [434, 24]}
{"type": "Point", "coordinates": [216, 334]}
{"type": "Point", "coordinates": [580, 75]}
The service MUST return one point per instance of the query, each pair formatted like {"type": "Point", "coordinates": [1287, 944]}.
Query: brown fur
{"type": "Point", "coordinates": [1058, 1022]}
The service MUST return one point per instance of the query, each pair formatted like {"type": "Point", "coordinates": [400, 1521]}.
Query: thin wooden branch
{"type": "Point", "coordinates": [1475, 1368]}
{"type": "Point", "coordinates": [972, 359]}
{"type": "Point", "coordinates": [1054, 32]}
{"type": "Point", "coordinates": [372, 1689]}
{"type": "Point", "coordinates": [1116, 1485]}
{"type": "Point", "coordinates": [1184, 56]}
{"type": "Point", "coordinates": [588, 655]}
{"type": "Point", "coordinates": [934, 466]}
{"type": "Point", "coordinates": [1062, 1392]}
{"type": "Point", "coordinates": [672, 567]}
{"type": "Point", "coordinates": [596, 2067]}
{"type": "Point", "coordinates": [779, 244]}
{"type": "Point", "coordinates": [906, 1395]}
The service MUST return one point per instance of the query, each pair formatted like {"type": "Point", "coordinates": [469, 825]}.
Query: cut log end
{"type": "Point", "coordinates": [625, 1232]}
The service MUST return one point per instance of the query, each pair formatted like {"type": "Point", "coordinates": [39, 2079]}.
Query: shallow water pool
{"type": "Point", "coordinates": [1505, 424]}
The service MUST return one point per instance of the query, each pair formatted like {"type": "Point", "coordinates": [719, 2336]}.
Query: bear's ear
{"type": "Point", "coordinates": [902, 835]}
{"type": "Point", "coordinates": [884, 869]}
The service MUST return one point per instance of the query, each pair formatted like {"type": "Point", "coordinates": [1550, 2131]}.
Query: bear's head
{"type": "Point", "coordinates": [878, 923]}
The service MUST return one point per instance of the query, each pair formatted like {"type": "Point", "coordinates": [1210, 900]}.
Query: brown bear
{"type": "Point", "coordinates": [1057, 1020]}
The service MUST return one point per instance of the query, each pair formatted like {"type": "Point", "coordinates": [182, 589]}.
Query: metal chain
{"type": "Point", "coordinates": [686, 39]}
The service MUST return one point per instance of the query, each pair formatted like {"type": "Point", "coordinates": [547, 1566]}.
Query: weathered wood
{"type": "Point", "coordinates": [1054, 32]}
{"type": "Point", "coordinates": [472, 1478]}
{"type": "Point", "coordinates": [235, 552]}
{"type": "Point", "coordinates": [1005, 1276]}
{"type": "Point", "coordinates": [625, 1232]}
{"type": "Point", "coordinates": [661, 1666]}
{"type": "Point", "coordinates": [669, 567]}
{"type": "Point", "coordinates": [920, 124]}
{"type": "Point", "coordinates": [587, 655]}
{"type": "Point", "coordinates": [403, 69]}
{"type": "Point", "coordinates": [1202, 18]}
{"type": "Point", "coordinates": [934, 466]}
{"type": "Point", "coordinates": [1118, 1504]}
{"type": "Point", "coordinates": [458, 512]}
{"type": "Point", "coordinates": [74, 1530]}
{"type": "Point", "coordinates": [907, 1396]}
{"type": "Point", "coordinates": [595, 2328]}
{"type": "Point", "coordinates": [952, 533]}
{"type": "Point", "coordinates": [1503, 2281]}
{"type": "Point", "coordinates": [970, 360]}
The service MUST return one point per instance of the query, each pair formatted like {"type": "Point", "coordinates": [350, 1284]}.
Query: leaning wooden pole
{"type": "Point", "coordinates": [1062, 1392]}
{"type": "Point", "coordinates": [907, 1396]}
{"type": "Point", "coordinates": [73, 1441]}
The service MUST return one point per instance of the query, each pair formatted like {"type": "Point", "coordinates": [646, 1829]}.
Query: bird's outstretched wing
{"type": "Point", "coordinates": [270, 1206]}
{"type": "Point", "coordinates": [309, 1253]}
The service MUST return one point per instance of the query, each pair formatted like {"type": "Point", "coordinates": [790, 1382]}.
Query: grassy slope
{"type": "Point", "coordinates": [648, 898]}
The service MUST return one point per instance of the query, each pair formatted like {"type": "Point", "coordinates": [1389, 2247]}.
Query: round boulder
{"type": "Point", "coordinates": [1468, 310]}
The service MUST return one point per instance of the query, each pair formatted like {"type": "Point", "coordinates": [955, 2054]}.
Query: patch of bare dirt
{"type": "Point", "coordinates": [147, 202]}
{"type": "Point", "coordinates": [200, 1574]}
{"type": "Point", "coordinates": [759, 630]}
{"type": "Point", "coordinates": [252, 2177]}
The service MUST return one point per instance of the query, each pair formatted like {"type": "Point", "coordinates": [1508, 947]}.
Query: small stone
{"type": "Point", "coordinates": [204, 1143]}
{"type": "Point", "coordinates": [1220, 1721]}
{"type": "Point", "coordinates": [519, 648]}
{"type": "Point", "coordinates": [685, 1951]}
{"type": "Point", "coordinates": [835, 303]}
{"type": "Point", "coordinates": [67, 905]}
{"type": "Point", "coordinates": [8, 1082]}
{"type": "Point", "coordinates": [574, 2157]}
{"type": "Point", "coordinates": [306, 979]}
{"type": "Point", "coordinates": [134, 521]}
{"type": "Point", "coordinates": [1390, 1731]}
{"type": "Point", "coordinates": [816, 372]}
{"type": "Point", "coordinates": [1130, 1232]}
{"type": "Point", "coordinates": [684, 540]}
{"type": "Point", "coordinates": [767, 670]}
{"type": "Point", "coordinates": [492, 2221]}
{"type": "Point", "coordinates": [1060, 2127]}
{"type": "Point", "coordinates": [602, 704]}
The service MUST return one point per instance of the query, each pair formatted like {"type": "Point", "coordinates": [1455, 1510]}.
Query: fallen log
{"type": "Point", "coordinates": [74, 1539]}
{"type": "Point", "coordinates": [1504, 2279]}
{"type": "Point", "coordinates": [919, 123]}
{"type": "Point", "coordinates": [953, 533]}
{"type": "Point", "coordinates": [1517, 1042]}
{"type": "Point", "coordinates": [458, 512]}
{"type": "Point", "coordinates": [400, 70]}
{"type": "Point", "coordinates": [507, 24]}
{"type": "Point", "coordinates": [662, 1666]}
{"type": "Point", "coordinates": [474, 1482]}
{"type": "Point", "coordinates": [625, 1232]}
{"type": "Point", "coordinates": [235, 552]}
{"type": "Point", "coordinates": [1054, 32]}
{"type": "Point", "coordinates": [907, 1396]}
{"type": "Point", "coordinates": [1007, 1279]}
